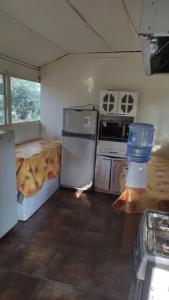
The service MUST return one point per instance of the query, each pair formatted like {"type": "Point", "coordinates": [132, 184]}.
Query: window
{"type": "Point", "coordinates": [2, 105]}
{"type": "Point", "coordinates": [25, 100]}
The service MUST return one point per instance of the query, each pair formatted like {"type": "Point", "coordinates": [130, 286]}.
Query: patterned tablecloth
{"type": "Point", "coordinates": [155, 196]}
{"type": "Point", "coordinates": [36, 162]}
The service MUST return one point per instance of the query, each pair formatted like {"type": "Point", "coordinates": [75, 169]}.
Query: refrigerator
{"type": "Point", "coordinates": [79, 148]}
{"type": "Point", "coordinates": [8, 190]}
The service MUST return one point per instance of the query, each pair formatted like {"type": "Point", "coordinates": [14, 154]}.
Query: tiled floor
{"type": "Point", "coordinates": [69, 250]}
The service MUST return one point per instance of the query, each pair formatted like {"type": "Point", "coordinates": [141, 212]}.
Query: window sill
{"type": "Point", "coordinates": [20, 124]}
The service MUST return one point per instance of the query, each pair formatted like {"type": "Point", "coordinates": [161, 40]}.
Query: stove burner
{"type": "Point", "coordinates": [159, 224]}
{"type": "Point", "coordinates": [165, 248]}
{"type": "Point", "coordinates": [163, 225]}
{"type": "Point", "coordinates": [158, 234]}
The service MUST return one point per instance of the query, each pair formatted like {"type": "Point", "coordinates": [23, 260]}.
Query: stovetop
{"type": "Point", "coordinates": [158, 233]}
{"type": "Point", "coordinates": [151, 244]}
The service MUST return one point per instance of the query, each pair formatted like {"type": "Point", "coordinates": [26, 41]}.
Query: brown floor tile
{"type": "Point", "coordinates": [72, 266]}
{"type": "Point", "coordinates": [15, 286]}
{"type": "Point", "coordinates": [52, 237]}
{"type": "Point", "coordinates": [84, 221]}
{"type": "Point", "coordinates": [112, 277]}
{"type": "Point", "coordinates": [7, 246]}
{"type": "Point", "coordinates": [49, 290]}
{"type": "Point", "coordinates": [29, 258]}
{"type": "Point", "coordinates": [72, 245]}
{"type": "Point", "coordinates": [26, 230]}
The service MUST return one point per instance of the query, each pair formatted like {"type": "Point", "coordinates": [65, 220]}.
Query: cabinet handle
{"type": "Point", "coordinates": [113, 152]}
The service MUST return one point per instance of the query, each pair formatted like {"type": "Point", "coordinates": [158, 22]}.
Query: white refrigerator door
{"type": "Point", "coordinates": [8, 192]}
{"type": "Point", "coordinates": [102, 173]}
{"type": "Point", "coordinates": [78, 159]}
{"type": "Point", "coordinates": [80, 121]}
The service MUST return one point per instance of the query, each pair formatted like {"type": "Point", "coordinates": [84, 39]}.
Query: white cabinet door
{"type": "Point", "coordinates": [102, 173]}
{"type": "Point", "coordinates": [108, 102]}
{"type": "Point", "coordinates": [116, 168]}
{"type": "Point", "coordinates": [127, 103]}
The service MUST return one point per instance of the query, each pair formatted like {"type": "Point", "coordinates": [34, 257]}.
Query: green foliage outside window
{"type": "Point", "coordinates": [2, 111]}
{"type": "Point", "coordinates": [25, 100]}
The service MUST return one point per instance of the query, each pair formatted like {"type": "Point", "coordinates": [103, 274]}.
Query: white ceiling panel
{"type": "Point", "coordinates": [58, 22]}
{"type": "Point", "coordinates": [20, 43]}
{"type": "Point", "coordinates": [110, 20]}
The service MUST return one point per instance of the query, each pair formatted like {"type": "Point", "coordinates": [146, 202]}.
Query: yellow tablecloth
{"type": "Point", "coordinates": [155, 196]}
{"type": "Point", "coordinates": [36, 162]}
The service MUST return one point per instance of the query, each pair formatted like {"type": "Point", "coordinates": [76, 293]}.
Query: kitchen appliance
{"type": "Point", "coordinates": [111, 152]}
{"type": "Point", "coordinates": [139, 147]}
{"type": "Point", "coordinates": [123, 103]}
{"type": "Point", "coordinates": [151, 258]}
{"type": "Point", "coordinates": [114, 128]}
{"type": "Point", "coordinates": [79, 147]}
{"type": "Point", "coordinates": [8, 191]}
{"type": "Point", "coordinates": [154, 33]}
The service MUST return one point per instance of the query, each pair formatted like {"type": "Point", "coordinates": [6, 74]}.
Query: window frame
{"type": "Point", "coordinates": [5, 99]}
{"type": "Point", "coordinates": [8, 101]}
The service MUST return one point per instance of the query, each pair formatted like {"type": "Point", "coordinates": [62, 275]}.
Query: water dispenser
{"type": "Point", "coordinates": [139, 148]}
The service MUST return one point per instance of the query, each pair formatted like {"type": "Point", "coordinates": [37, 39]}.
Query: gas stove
{"type": "Point", "coordinates": [151, 257]}
{"type": "Point", "coordinates": [158, 234]}
{"type": "Point", "coordinates": [152, 242]}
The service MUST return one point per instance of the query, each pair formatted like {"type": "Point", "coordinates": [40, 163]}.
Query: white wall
{"type": "Point", "coordinates": [78, 79]}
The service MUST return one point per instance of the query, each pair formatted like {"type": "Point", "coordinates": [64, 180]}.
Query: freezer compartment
{"type": "Point", "coordinates": [80, 121]}
{"type": "Point", "coordinates": [78, 162]}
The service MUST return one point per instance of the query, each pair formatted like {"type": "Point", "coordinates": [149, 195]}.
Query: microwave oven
{"type": "Point", "coordinates": [115, 128]}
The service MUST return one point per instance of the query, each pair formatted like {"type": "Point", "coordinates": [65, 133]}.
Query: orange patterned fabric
{"type": "Point", "coordinates": [155, 196]}
{"type": "Point", "coordinates": [36, 162]}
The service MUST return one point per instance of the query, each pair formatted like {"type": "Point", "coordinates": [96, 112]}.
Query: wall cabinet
{"type": "Point", "coordinates": [121, 103]}
{"type": "Point", "coordinates": [127, 103]}
{"type": "Point", "coordinates": [107, 174]}
{"type": "Point", "coordinates": [108, 102]}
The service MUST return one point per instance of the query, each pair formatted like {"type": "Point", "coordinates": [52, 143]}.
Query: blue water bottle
{"type": "Point", "coordinates": [140, 142]}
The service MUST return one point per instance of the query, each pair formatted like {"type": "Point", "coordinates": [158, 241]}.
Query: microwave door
{"type": "Point", "coordinates": [111, 131]}
{"type": "Point", "coordinates": [125, 131]}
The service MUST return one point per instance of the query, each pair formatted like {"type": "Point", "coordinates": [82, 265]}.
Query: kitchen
{"type": "Point", "coordinates": [83, 53]}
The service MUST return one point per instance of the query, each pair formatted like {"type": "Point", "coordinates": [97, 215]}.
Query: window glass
{"type": "Point", "coordinates": [2, 110]}
{"type": "Point", "coordinates": [25, 100]}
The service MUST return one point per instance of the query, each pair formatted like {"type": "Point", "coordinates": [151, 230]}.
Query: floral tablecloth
{"type": "Point", "coordinates": [155, 196]}
{"type": "Point", "coordinates": [36, 162]}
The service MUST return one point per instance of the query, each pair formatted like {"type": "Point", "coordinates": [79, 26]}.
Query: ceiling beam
{"type": "Point", "coordinates": [53, 60]}
{"type": "Point", "coordinates": [19, 62]}
{"type": "Point", "coordinates": [88, 25]}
